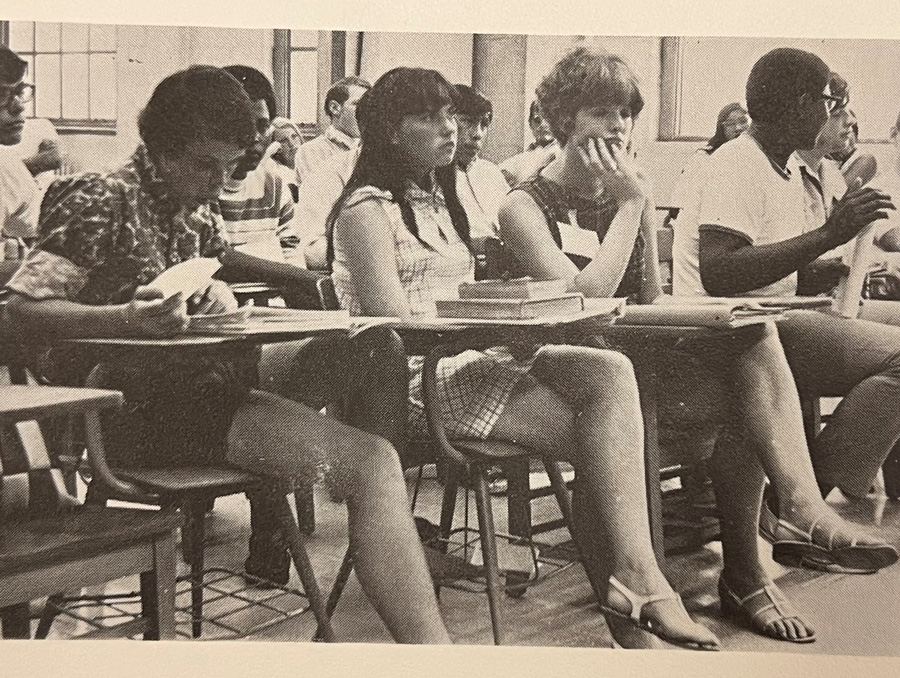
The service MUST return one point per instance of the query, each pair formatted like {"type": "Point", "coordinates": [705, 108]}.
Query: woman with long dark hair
{"type": "Point", "coordinates": [398, 235]}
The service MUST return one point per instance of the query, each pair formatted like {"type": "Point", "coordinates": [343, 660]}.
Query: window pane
{"type": "Point", "coordinates": [103, 87]}
{"type": "Point", "coordinates": [304, 39]}
{"type": "Point", "coordinates": [21, 36]}
{"type": "Point", "coordinates": [75, 86]}
{"type": "Point", "coordinates": [75, 37]}
{"type": "Point", "coordinates": [47, 37]}
{"type": "Point", "coordinates": [103, 38]}
{"type": "Point", "coordinates": [46, 77]}
{"type": "Point", "coordinates": [304, 87]}
{"type": "Point", "coordinates": [29, 107]}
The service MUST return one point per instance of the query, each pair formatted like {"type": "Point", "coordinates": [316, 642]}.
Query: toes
{"type": "Point", "coordinates": [791, 629]}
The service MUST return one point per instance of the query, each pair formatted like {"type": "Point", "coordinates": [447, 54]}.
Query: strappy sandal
{"type": "Point", "coordinates": [793, 547]}
{"type": "Point", "coordinates": [761, 609]}
{"type": "Point", "coordinates": [638, 618]}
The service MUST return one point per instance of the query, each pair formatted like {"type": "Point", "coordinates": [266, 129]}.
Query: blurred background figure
{"type": "Point", "coordinates": [286, 140]}
{"type": "Point", "coordinates": [537, 155]}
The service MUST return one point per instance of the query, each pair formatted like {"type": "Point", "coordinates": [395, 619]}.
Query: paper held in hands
{"type": "Point", "coordinates": [188, 277]}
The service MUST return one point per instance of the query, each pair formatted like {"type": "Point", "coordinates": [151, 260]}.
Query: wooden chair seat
{"type": "Point", "coordinates": [72, 535]}
{"type": "Point", "coordinates": [215, 481]}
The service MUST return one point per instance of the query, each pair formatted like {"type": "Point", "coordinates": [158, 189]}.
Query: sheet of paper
{"type": "Point", "coordinates": [578, 241]}
{"type": "Point", "coordinates": [187, 277]}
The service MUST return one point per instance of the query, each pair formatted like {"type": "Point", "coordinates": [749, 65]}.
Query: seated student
{"type": "Point", "coordinates": [731, 122]}
{"type": "Point", "coordinates": [20, 199]}
{"type": "Point", "coordinates": [401, 208]}
{"type": "Point", "coordinates": [256, 203]}
{"type": "Point", "coordinates": [341, 137]}
{"type": "Point", "coordinates": [525, 165]}
{"type": "Point", "coordinates": [104, 237]}
{"type": "Point", "coordinates": [479, 183]}
{"type": "Point", "coordinates": [755, 236]}
{"type": "Point", "coordinates": [592, 101]}
{"type": "Point", "coordinates": [481, 187]}
{"type": "Point", "coordinates": [286, 139]}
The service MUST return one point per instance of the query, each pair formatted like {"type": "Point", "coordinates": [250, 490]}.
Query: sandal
{"type": "Point", "coordinates": [793, 547]}
{"type": "Point", "coordinates": [761, 609]}
{"type": "Point", "coordinates": [638, 617]}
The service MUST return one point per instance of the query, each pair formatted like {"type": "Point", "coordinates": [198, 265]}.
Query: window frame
{"type": "Point", "coordinates": [66, 125]}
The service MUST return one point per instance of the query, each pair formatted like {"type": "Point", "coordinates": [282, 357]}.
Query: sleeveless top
{"type": "Point", "coordinates": [558, 205]}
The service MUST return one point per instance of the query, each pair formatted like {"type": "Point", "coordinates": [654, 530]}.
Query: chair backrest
{"type": "Point", "coordinates": [664, 238]}
{"type": "Point", "coordinates": [328, 298]}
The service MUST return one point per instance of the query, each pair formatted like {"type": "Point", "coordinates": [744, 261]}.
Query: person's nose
{"type": "Point", "coordinates": [616, 121]}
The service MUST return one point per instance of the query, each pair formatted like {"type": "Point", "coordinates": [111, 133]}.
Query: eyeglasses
{"type": "Point", "coordinates": [24, 92]}
{"type": "Point", "coordinates": [834, 103]}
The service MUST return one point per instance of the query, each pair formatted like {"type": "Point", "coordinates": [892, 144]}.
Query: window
{"type": "Point", "coordinates": [303, 80]}
{"type": "Point", "coordinates": [73, 67]}
{"type": "Point", "coordinates": [701, 75]}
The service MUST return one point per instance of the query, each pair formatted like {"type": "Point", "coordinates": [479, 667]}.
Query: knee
{"type": "Point", "coordinates": [610, 369]}
{"type": "Point", "coordinates": [370, 459]}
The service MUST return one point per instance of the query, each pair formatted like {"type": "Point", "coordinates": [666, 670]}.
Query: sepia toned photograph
{"type": "Point", "coordinates": [544, 340]}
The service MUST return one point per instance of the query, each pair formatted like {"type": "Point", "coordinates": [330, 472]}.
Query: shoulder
{"type": "Point", "coordinates": [83, 193]}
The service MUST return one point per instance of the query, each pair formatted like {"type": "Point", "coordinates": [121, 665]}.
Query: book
{"type": "Point", "coordinates": [511, 309]}
{"type": "Point", "coordinates": [516, 288]}
{"type": "Point", "coordinates": [187, 277]}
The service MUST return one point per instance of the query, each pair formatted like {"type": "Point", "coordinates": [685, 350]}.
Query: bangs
{"type": "Point", "coordinates": [609, 82]}
{"type": "Point", "coordinates": [425, 94]}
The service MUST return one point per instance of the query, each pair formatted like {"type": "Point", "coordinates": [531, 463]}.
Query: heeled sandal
{"type": "Point", "coordinates": [761, 609]}
{"type": "Point", "coordinates": [637, 617]}
{"type": "Point", "coordinates": [793, 547]}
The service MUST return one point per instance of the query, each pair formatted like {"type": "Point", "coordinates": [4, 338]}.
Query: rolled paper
{"type": "Point", "coordinates": [849, 290]}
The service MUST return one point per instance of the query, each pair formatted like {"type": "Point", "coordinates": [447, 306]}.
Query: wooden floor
{"type": "Point", "coordinates": [853, 615]}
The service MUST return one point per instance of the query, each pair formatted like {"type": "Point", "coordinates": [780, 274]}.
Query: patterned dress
{"type": "Point", "coordinates": [100, 237]}
{"type": "Point", "coordinates": [558, 205]}
{"type": "Point", "coordinates": [474, 386]}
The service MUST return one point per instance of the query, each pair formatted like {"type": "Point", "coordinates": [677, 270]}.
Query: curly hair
{"type": "Point", "coordinates": [585, 79]}
{"type": "Point", "coordinates": [779, 78]}
{"type": "Point", "coordinates": [201, 102]}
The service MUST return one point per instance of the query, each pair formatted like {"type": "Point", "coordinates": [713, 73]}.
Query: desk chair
{"type": "Point", "coordinates": [48, 541]}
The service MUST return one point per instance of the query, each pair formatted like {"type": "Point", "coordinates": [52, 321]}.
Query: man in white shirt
{"type": "Point", "coordinates": [19, 195]}
{"type": "Point", "coordinates": [756, 231]}
{"type": "Point", "coordinates": [342, 135]}
{"type": "Point", "coordinates": [539, 153]}
{"type": "Point", "coordinates": [479, 183]}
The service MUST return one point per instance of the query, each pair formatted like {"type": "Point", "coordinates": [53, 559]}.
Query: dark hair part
{"type": "Point", "coordinates": [256, 85]}
{"type": "Point", "coordinates": [719, 137]}
{"type": "Point", "coordinates": [201, 102]}
{"type": "Point", "coordinates": [340, 90]}
{"type": "Point", "coordinates": [12, 67]}
{"type": "Point", "coordinates": [586, 79]}
{"type": "Point", "coordinates": [398, 93]}
{"type": "Point", "coordinates": [473, 103]}
{"type": "Point", "coordinates": [779, 79]}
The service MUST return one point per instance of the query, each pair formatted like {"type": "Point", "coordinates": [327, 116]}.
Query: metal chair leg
{"type": "Point", "coordinates": [489, 551]}
{"type": "Point", "coordinates": [340, 582]}
{"type": "Point", "coordinates": [192, 536]}
{"type": "Point", "coordinates": [48, 615]}
{"type": "Point", "coordinates": [304, 500]}
{"type": "Point", "coordinates": [296, 543]}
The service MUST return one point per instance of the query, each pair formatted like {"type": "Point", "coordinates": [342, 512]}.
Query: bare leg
{"type": "Point", "coordinates": [584, 406]}
{"type": "Point", "coordinates": [281, 438]}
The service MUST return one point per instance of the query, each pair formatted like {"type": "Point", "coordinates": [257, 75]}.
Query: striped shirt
{"type": "Point", "coordinates": [259, 216]}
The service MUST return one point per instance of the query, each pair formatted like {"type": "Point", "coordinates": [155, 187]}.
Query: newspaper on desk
{"type": "Point", "coordinates": [255, 320]}
{"type": "Point", "coordinates": [723, 312]}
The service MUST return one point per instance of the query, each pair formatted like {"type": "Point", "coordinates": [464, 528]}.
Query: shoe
{"type": "Point", "coordinates": [269, 562]}
{"type": "Point", "coordinates": [761, 609]}
{"type": "Point", "coordinates": [793, 547]}
{"type": "Point", "coordinates": [638, 617]}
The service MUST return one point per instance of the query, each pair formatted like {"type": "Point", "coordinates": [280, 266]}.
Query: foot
{"type": "Point", "coordinates": [761, 604]}
{"type": "Point", "coordinates": [829, 530]}
{"type": "Point", "coordinates": [269, 561]}
{"type": "Point", "coordinates": [654, 607]}
{"type": "Point", "coordinates": [628, 637]}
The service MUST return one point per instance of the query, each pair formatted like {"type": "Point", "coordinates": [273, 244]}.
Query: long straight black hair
{"type": "Point", "coordinates": [397, 93]}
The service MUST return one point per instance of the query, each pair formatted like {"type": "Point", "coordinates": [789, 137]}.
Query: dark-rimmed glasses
{"type": "Point", "coordinates": [24, 92]}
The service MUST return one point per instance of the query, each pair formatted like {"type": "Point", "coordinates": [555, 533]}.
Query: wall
{"type": "Point", "coordinates": [449, 53]}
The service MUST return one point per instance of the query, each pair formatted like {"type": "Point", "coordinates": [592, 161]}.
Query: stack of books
{"type": "Point", "coordinates": [517, 299]}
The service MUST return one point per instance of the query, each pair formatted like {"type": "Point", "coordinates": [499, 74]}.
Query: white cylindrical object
{"type": "Point", "coordinates": [849, 291]}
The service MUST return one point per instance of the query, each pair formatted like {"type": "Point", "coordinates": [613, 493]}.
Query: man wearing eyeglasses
{"type": "Point", "coordinates": [19, 195]}
{"type": "Point", "coordinates": [756, 230]}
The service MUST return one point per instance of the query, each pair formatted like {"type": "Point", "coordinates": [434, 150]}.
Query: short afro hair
{"type": "Point", "coordinates": [779, 79]}
{"type": "Point", "coordinates": [473, 103]}
{"type": "Point", "coordinates": [12, 67]}
{"type": "Point", "coordinates": [256, 85]}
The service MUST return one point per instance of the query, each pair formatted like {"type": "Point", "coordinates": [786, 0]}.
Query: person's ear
{"type": "Point", "coordinates": [334, 108]}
